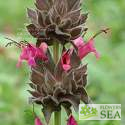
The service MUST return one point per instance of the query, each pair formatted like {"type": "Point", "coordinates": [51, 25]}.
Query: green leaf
{"type": "Point", "coordinates": [28, 117]}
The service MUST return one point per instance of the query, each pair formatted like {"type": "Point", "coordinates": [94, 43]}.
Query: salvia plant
{"type": "Point", "coordinates": [58, 77]}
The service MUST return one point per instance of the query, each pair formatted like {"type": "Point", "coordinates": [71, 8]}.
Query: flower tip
{"type": "Point", "coordinates": [18, 65]}
{"type": "Point", "coordinates": [66, 67]}
{"type": "Point", "coordinates": [71, 121]}
{"type": "Point", "coordinates": [106, 30]}
{"type": "Point", "coordinates": [97, 55]}
{"type": "Point", "coordinates": [31, 62]}
{"type": "Point", "coordinates": [38, 121]}
{"type": "Point", "coordinates": [43, 46]}
{"type": "Point", "coordinates": [65, 60]}
{"type": "Point", "coordinates": [79, 42]}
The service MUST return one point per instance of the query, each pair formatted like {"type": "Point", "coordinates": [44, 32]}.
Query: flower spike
{"type": "Point", "coordinates": [57, 81]}
{"type": "Point", "coordinates": [56, 20]}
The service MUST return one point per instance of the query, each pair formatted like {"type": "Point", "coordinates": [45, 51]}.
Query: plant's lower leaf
{"type": "Point", "coordinates": [43, 4]}
{"type": "Point", "coordinates": [28, 117]}
{"type": "Point", "coordinates": [67, 78]}
{"type": "Point", "coordinates": [81, 20]}
{"type": "Point", "coordinates": [74, 100]}
{"type": "Point", "coordinates": [50, 81]}
{"type": "Point", "coordinates": [67, 107]}
{"type": "Point", "coordinates": [65, 24]}
{"type": "Point", "coordinates": [76, 32]}
{"type": "Point", "coordinates": [50, 65]}
{"type": "Point", "coordinates": [35, 94]}
{"type": "Point", "coordinates": [41, 18]}
{"type": "Point", "coordinates": [37, 77]}
{"type": "Point", "coordinates": [33, 30]}
{"type": "Point", "coordinates": [58, 91]}
{"type": "Point", "coordinates": [47, 112]}
{"type": "Point", "coordinates": [74, 57]}
{"type": "Point", "coordinates": [32, 15]}
{"type": "Point", "coordinates": [49, 106]}
{"type": "Point", "coordinates": [83, 94]}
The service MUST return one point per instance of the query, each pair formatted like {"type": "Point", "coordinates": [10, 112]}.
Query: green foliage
{"type": "Point", "coordinates": [29, 117]}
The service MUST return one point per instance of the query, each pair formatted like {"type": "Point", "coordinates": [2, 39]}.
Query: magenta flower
{"type": "Point", "coordinates": [71, 121]}
{"type": "Point", "coordinates": [30, 52]}
{"type": "Point", "coordinates": [37, 121]}
{"type": "Point", "coordinates": [79, 42]}
{"type": "Point", "coordinates": [65, 60]}
{"type": "Point", "coordinates": [85, 48]}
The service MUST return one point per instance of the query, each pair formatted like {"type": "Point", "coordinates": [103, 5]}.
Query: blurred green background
{"type": "Point", "coordinates": [106, 76]}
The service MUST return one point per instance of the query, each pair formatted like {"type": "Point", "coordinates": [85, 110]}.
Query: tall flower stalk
{"type": "Point", "coordinates": [57, 115]}
{"type": "Point", "coordinates": [57, 79]}
{"type": "Point", "coordinates": [57, 118]}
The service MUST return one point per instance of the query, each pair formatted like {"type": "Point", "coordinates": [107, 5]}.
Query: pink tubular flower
{"type": "Point", "coordinates": [85, 48]}
{"type": "Point", "coordinates": [71, 121]}
{"type": "Point", "coordinates": [79, 42]}
{"type": "Point", "coordinates": [65, 60]}
{"type": "Point", "coordinates": [30, 52]}
{"type": "Point", "coordinates": [37, 121]}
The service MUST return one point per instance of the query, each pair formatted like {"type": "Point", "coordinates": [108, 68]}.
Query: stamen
{"type": "Point", "coordinates": [13, 42]}
{"type": "Point", "coordinates": [101, 31]}
{"type": "Point", "coordinates": [18, 44]}
{"type": "Point", "coordinates": [24, 43]}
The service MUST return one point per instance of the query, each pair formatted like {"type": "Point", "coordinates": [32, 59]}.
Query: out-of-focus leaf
{"type": "Point", "coordinates": [29, 117]}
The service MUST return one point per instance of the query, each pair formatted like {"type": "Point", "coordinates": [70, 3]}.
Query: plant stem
{"type": "Point", "coordinates": [57, 115]}
{"type": "Point", "coordinates": [56, 52]}
{"type": "Point", "coordinates": [57, 118]}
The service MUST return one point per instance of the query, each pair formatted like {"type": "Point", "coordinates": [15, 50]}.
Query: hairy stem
{"type": "Point", "coordinates": [57, 118]}
{"type": "Point", "coordinates": [57, 115]}
{"type": "Point", "coordinates": [56, 52]}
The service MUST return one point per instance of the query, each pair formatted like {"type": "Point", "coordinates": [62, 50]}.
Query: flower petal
{"type": "Point", "coordinates": [79, 42]}
{"type": "Point", "coordinates": [31, 61]}
{"type": "Point", "coordinates": [66, 67]}
{"type": "Point", "coordinates": [71, 121]}
{"type": "Point", "coordinates": [19, 63]}
{"type": "Point", "coordinates": [43, 47]}
{"type": "Point", "coordinates": [65, 60]}
{"type": "Point", "coordinates": [40, 54]}
{"type": "Point", "coordinates": [30, 52]}
{"type": "Point", "coordinates": [24, 54]}
{"type": "Point", "coordinates": [85, 49]}
{"type": "Point", "coordinates": [37, 121]}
